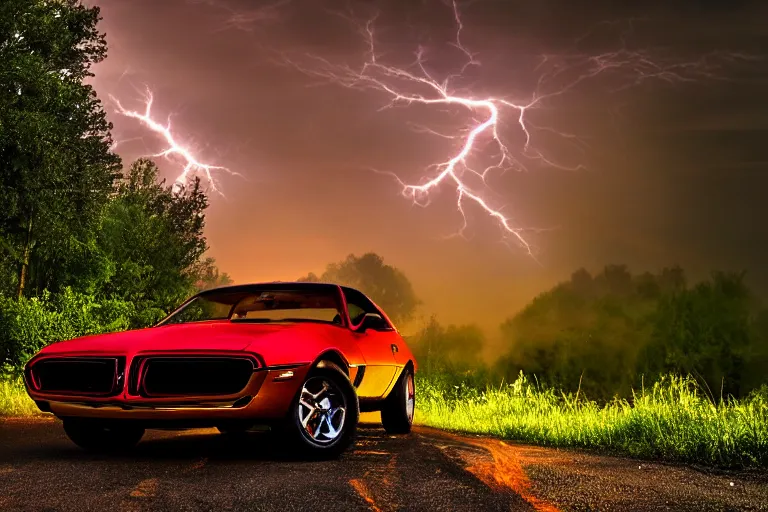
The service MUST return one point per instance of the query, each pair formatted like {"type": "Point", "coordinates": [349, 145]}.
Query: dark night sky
{"type": "Point", "coordinates": [674, 172]}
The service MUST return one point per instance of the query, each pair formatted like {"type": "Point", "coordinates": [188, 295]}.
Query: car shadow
{"type": "Point", "coordinates": [193, 445]}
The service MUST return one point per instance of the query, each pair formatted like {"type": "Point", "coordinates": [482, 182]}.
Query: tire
{"type": "Point", "coordinates": [95, 435]}
{"type": "Point", "coordinates": [328, 405]}
{"type": "Point", "coordinates": [397, 412]}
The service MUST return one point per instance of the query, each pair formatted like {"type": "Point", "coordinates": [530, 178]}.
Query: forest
{"type": "Point", "coordinates": [610, 333]}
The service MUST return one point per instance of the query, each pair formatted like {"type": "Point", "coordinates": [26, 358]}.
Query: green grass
{"type": "Point", "coordinates": [14, 400]}
{"type": "Point", "coordinates": [672, 421]}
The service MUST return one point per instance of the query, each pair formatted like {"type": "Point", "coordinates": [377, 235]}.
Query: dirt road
{"type": "Point", "coordinates": [428, 470]}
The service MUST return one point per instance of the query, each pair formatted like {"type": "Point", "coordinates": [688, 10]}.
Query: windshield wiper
{"type": "Point", "coordinates": [311, 320]}
{"type": "Point", "coordinates": [303, 320]}
{"type": "Point", "coordinates": [277, 320]}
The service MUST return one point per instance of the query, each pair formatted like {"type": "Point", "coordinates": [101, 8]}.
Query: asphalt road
{"type": "Point", "coordinates": [427, 470]}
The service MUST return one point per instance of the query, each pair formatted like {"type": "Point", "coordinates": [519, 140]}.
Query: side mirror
{"type": "Point", "coordinates": [372, 321]}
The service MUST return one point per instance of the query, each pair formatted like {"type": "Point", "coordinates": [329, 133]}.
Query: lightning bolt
{"type": "Point", "coordinates": [192, 166]}
{"type": "Point", "coordinates": [557, 75]}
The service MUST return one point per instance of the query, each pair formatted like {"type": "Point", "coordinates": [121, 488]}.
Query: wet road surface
{"type": "Point", "coordinates": [40, 469]}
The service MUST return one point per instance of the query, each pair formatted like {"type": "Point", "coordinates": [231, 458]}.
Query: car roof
{"type": "Point", "coordinates": [287, 285]}
{"type": "Point", "coordinates": [275, 285]}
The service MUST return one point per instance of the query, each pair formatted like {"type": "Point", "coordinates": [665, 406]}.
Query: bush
{"type": "Point", "coordinates": [29, 324]}
{"type": "Point", "coordinates": [14, 400]}
{"type": "Point", "coordinates": [599, 334]}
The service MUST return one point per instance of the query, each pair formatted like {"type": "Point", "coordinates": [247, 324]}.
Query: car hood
{"type": "Point", "coordinates": [216, 335]}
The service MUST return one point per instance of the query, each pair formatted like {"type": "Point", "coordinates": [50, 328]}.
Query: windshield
{"type": "Point", "coordinates": [261, 306]}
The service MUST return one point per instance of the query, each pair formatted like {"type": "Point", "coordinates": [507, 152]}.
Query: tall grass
{"type": "Point", "coordinates": [14, 400]}
{"type": "Point", "coordinates": [673, 420]}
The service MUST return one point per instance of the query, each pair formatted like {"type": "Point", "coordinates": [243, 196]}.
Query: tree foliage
{"type": "Point", "coordinates": [55, 158]}
{"type": "Point", "coordinates": [384, 284]}
{"type": "Point", "coordinates": [152, 238]}
{"type": "Point", "coordinates": [603, 334]}
{"type": "Point", "coordinates": [83, 249]}
{"type": "Point", "coordinates": [209, 276]}
{"type": "Point", "coordinates": [707, 331]}
{"type": "Point", "coordinates": [145, 257]}
{"type": "Point", "coordinates": [28, 324]}
{"type": "Point", "coordinates": [454, 349]}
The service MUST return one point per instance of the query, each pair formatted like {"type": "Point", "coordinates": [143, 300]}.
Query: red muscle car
{"type": "Point", "coordinates": [302, 358]}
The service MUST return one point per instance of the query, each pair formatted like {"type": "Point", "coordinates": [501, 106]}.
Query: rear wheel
{"type": "Point", "coordinates": [397, 412]}
{"type": "Point", "coordinates": [323, 418]}
{"type": "Point", "coordinates": [100, 436]}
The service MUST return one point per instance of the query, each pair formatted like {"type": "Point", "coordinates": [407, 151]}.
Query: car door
{"type": "Point", "coordinates": [379, 363]}
{"type": "Point", "coordinates": [376, 347]}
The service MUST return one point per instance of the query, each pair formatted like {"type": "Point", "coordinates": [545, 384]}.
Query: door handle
{"type": "Point", "coordinates": [394, 348]}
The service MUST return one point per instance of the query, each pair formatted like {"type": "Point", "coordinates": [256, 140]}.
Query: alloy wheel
{"type": "Point", "coordinates": [410, 397]}
{"type": "Point", "coordinates": [322, 410]}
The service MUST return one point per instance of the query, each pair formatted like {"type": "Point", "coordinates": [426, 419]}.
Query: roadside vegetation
{"type": "Point", "coordinates": [673, 420]}
{"type": "Point", "coordinates": [14, 401]}
{"type": "Point", "coordinates": [641, 365]}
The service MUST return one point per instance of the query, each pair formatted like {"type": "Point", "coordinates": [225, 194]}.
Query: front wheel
{"type": "Point", "coordinates": [97, 436]}
{"type": "Point", "coordinates": [397, 412]}
{"type": "Point", "coordinates": [323, 418]}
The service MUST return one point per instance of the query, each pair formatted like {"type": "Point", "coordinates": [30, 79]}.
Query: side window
{"type": "Point", "coordinates": [358, 305]}
{"type": "Point", "coordinates": [355, 313]}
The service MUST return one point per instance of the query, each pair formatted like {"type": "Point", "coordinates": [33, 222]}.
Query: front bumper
{"type": "Point", "coordinates": [267, 396]}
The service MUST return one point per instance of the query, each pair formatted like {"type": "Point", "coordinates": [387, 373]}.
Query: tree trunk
{"type": "Point", "coordinates": [25, 259]}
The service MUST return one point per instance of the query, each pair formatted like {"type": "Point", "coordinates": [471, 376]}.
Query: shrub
{"type": "Point", "coordinates": [29, 324]}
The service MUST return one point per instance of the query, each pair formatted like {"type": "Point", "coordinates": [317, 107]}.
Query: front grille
{"type": "Point", "coordinates": [194, 376]}
{"type": "Point", "coordinates": [100, 376]}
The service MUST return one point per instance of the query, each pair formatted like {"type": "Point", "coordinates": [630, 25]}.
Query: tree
{"type": "Point", "coordinates": [453, 349]}
{"type": "Point", "coordinates": [583, 334]}
{"type": "Point", "coordinates": [707, 331]}
{"type": "Point", "coordinates": [384, 284]}
{"type": "Point", "coordinates": [152, 235]}
{"type": "Point", "coordinates": [57, 167]}
{"type": "Point", "coordinates": [602, 335]}
{"type": "Point", "coordinates": [209, 276]}
{"type": "Point", "coordinates": [672, 279]}
{"type": "Point", "coordinates": [581, 282]}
